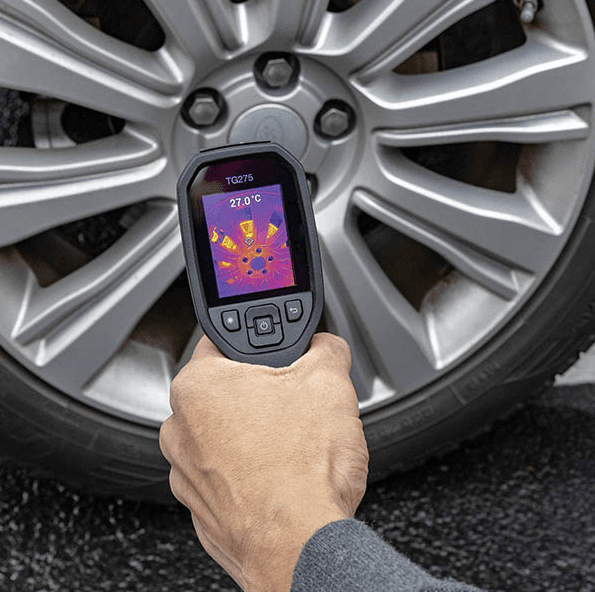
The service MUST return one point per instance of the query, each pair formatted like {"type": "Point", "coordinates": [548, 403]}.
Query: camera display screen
{"type": "Point", "coordinates": [249, 243]}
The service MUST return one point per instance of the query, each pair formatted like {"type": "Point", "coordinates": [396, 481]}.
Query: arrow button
{"type": "Point", "coordinates": [293, 310]}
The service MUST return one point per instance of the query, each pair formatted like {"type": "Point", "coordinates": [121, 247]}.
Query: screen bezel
{"type": "Point", "coordinates": [266, 168]}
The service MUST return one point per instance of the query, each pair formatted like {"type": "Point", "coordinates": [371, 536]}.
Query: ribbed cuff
{"type": "Point", "coordinates": [348, 556]}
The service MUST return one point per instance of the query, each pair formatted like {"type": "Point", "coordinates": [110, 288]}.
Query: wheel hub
{"type": "Point", "coordinates": [273, 123]}
{"type": "Point", "coordinates": [288, 115]}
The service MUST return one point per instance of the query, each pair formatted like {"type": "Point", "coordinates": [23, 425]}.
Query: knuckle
{"type": "Point", "coordinates": [338, 349]}
{"type": "Point", "coordinates": [176, 484]}
{"type": "Point", "coordinates": [177, 389]}
{"type": "Point", "coordinates": [165, 438]}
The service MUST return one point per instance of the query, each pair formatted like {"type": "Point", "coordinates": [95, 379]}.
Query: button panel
{"type": "Point", "coordinates": [273, 338]}
{"type": "Point", "coordinates": [264, 325]}
{"type": "Point", "coordinates": [262, 311]}
{"type": "Point", "coordinates": [261, 326]}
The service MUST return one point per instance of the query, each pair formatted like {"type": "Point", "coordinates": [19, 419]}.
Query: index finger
{"type": "Point", "coordinates": [205, 349]}
{"type": "Point", "coordinates": [327, 350]}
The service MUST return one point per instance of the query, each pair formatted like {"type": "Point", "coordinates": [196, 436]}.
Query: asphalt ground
{"type": "Point", "coordinates": [512, 510]}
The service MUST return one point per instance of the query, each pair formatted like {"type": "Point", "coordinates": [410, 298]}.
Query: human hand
{"type": "Point", "coordinates": [264, 457]}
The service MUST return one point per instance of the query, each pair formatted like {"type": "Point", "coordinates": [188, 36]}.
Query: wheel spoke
{"type": "Point", "coordinates": [513, 230]}
{"type": "Point", "coordinates": [375, 36]}
{"type": "Point", "coordinates": [291, 23]}
{"type": "Point", "coordinates": [363, 372]}
{"type": "Point", "coordinates": [77, 323]}
{"type": "Point", "coordinates": [373, 311]}
{"type": "Point", "coordinates": [49, 50]}
{"type": "Point", "coordinates": [149, 392]}
{"type": "Point", "coordinates": [41, 189]}
{"type": "Point", "coordinates": [190, 347]}
{"type": "Point", "coordinates": [486, 271]}
{"type": "Point", "coordinates": [539, 78]}
{"type": "Point", "coordinates": [528, 129]}
{"type": "Point", "coordinates": [206, 31]}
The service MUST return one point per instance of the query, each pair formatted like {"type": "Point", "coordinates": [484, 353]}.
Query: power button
{"type": "Point", "coordinates": [263, 325]}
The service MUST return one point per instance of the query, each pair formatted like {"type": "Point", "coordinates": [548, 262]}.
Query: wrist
{"type": "Point", "coordinates": [278, 545]}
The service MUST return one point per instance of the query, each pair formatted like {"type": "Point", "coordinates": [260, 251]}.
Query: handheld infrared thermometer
{"type": "Point", "coordinates": [251, 249]}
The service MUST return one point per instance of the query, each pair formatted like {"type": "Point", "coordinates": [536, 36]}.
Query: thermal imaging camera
{"type": "Point", "coordinates": [251, 251]}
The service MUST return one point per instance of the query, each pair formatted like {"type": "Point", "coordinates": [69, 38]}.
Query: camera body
{"type": "Point", "coordinates": [252, 253]}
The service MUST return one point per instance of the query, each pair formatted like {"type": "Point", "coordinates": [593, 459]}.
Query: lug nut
{"type": "Point", "coordinates": [203, 108]}
{"type": "Point", "coordinates": [276, 70]}
{"type": "Point", "coordinates": [335, 119]}
{"type": "Point", "coordinates": [334, 122]}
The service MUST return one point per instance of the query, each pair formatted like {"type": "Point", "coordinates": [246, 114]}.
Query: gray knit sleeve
{"type": "Point", "coordinates": [347, 556]}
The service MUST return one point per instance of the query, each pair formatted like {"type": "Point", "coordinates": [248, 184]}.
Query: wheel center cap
{"type": "Point", "coordinates": [274, 123]}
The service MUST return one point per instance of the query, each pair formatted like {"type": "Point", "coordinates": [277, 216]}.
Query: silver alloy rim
{"type": "Point", "coordinates": [73, 334]}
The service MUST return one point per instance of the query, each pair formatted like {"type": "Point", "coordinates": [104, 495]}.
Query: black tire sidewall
{"type": "Point", "coordinates": [58, 436]}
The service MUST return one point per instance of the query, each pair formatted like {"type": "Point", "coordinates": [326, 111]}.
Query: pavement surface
{"type": "Point", "coordinates": [512, 510]}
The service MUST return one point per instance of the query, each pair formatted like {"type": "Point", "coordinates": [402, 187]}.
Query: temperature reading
{"type": "Point", "coordinates": [249, 243]}
{"type": "Point", "coordinates": [238, 202]}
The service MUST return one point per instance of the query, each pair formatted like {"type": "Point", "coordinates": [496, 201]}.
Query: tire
{"type": "Point", "coordinates": [454, 215]}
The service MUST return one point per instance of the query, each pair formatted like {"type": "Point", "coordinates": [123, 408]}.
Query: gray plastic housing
{"type": "Point", "coordinates": [299, 334]}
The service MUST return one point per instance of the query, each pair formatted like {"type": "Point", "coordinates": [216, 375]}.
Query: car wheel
{"type": "Point", "coordinates": [449, 148]}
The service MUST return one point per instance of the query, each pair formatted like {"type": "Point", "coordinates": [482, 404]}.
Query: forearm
{"type": "Point", "coordinates": [347, 556]}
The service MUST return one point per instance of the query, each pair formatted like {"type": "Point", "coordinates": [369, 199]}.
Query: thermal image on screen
{"type": "Point", "coordinates": [248, 238]}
